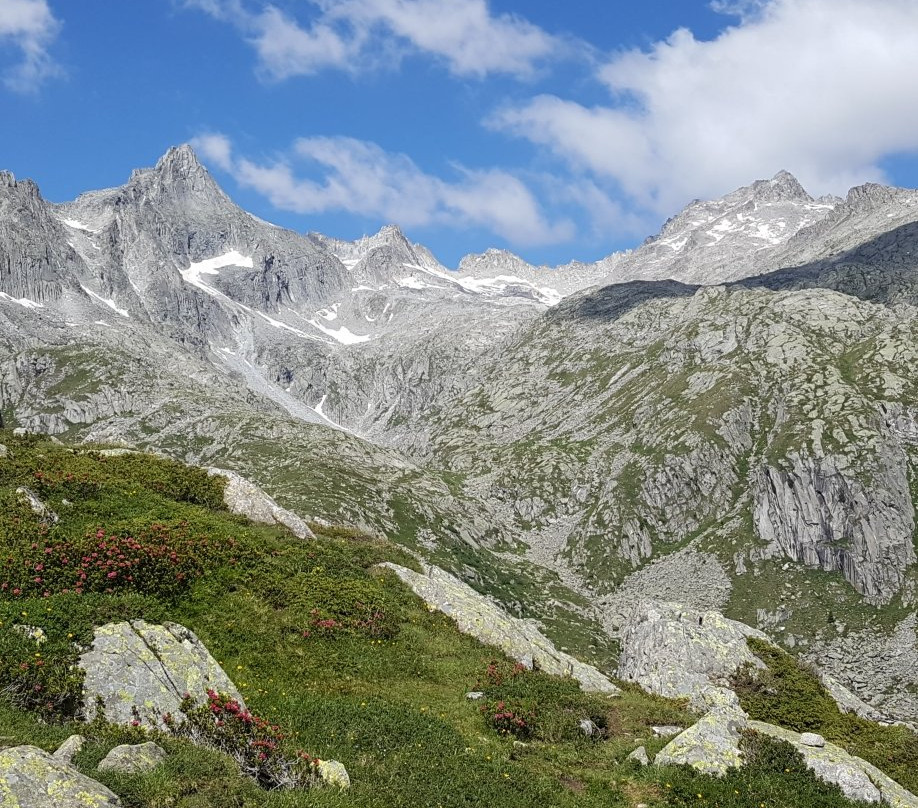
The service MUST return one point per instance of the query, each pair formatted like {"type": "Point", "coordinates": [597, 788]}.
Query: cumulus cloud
{"type": "Point", "coordinates": [352, 35]}
{"type": "Point", "coordinates": [30, 27]}
{"type": "Point", "coordinates": [824, 88]}
{"type": "Point", "coordinates": [340, 174]}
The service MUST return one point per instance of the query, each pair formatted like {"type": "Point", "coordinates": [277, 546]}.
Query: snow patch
{"type": "Point", "coordinates": [343, 335]}
{"type": "Point", "coordinates": [77, 225]}
{"type": "Point", "coordinates": [22, 301]}
{"type": "Point", "coordinates": [330, 313]}
{"type": "Point", "coordinates": [212, 266]}
{"type": "Point", "coordinates": [110, 303]}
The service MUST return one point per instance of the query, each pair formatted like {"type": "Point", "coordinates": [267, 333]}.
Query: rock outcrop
{"type": "Point", "coordinates": [813, 513]}
{"type": "Point", "coordinates": [483, 619]}
{"type": "Point", "coordinates": [712, 745]}
{"type": "Point", "coordinates": [858, 779]}
{"type": "Point", "coordinates": [245, 498]}
{"type": "Point", "coordinates": [141, 672]}
{"type": "Point", "coordinates": [682, 653]}
{"type": "Point", "coordinates": [31, 778]}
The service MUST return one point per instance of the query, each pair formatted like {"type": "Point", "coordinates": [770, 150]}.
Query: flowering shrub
{"type": "Point", "coordinates": [257, 746]}
{"type": "Point", "coordinates": [38, 675]}
{"type": "Point", "coordinates": [158, 560]}
{"type": "Point", "coordinates": [507, 719]}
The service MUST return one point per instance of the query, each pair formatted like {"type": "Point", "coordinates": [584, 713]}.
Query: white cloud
{"type": "Point", "coordinates": [29, 26]}
{"type": "Point", "coordinates": [354, 34]}
{"type": "Point", "coordinates": [824, 88]}
{"type": "Point", "coordinates": [359, 177]}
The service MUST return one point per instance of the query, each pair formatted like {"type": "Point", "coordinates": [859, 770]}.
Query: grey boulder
{"type": "Point", "coordinates": [711, 746]}
{"type": "Point", "coordinates": [244, 498]}
{"type": "Point", "coordinates": [682, 653]}
{"type": "Point", "coordinates": [31, 778]}
{"type": "Point", "coordinates": [133, 758]}
{"type": "Point", "coordinates": [69, 748]}
{"type": "Point", "coordinates": [142, 671]}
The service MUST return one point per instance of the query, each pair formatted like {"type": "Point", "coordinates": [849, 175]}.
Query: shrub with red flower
{"type": "Point", "coordinates": [259, 748]}
{"type": "Point", "coordinates": [507, 719]}
{"type": "Point", "coordinates": [159, 560]}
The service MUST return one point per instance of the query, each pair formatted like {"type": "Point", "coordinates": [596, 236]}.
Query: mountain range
{"type": "Point", "coordinates": [724, 417]}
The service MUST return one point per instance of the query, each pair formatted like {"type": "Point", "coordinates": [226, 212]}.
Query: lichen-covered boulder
{"type": "Point", "coordinates": [42, 511]}
{"type": "Point", "coordinates": [639, 756]}
{"type": "Point", "coordinates": [133, 758]}
{"type": "Point", "coordinates": [69, 748]}
{"type": "Point", "coordinates": [858, 779]}
{"type": "Point", "coordinates": [483, 619]}
{"type": "Point", "coordinates": [141, 672]}
{"type": "Point", "coordinates": [31, 778]}
{"type": "Point", "coordinates": [682, 653]}
{"type": "Point", "coordinates": [333, 773]}
{"type": "Point", "coordinates": [244, 498]}
{"type": "Point", "coordinates": [711, 745]}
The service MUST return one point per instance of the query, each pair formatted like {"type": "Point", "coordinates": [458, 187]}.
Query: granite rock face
{"type": "Point", "coordinates": [485, 620]}
{"type": "Point", "coordinates": [682, 653]}
{"type": "Point", "coordinates": [813, 513]}
{"type": "Point", "coordinates": [31, 778]}
{"type": "Point", "coordinates": [141, 672]}
{"type": "Point", "coordinates": [247, 499]}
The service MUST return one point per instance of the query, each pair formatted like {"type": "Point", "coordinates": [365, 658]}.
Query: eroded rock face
{"type": "Point", "coordinates": [818, 515]}
{"type": "Point", "coordinates": [31, 778]}
{"type": "Point", "coordinates": [489, 623]}
{"type": "Point", "coordinates": [142, 671]}
{"type": "Point", "coordinates": [858, 779]}
{"type": "Point", "coordinates": [683, 653]}
{"type": "Point", "coordinates": [247, 499]}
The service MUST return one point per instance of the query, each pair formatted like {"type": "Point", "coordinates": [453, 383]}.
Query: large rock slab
{"type": "Point", "coordinates": [483, 619]}
{"type": "Point", "coordinates": [858, 779]}
{"type": "Point", "coordinates": [683, 653]}
{"type": "Point", "coordinates": [31, 778]}
{"type": "Point", "coordinates": [244, 498]}
{"type": "Point", "coordinates": [148, 668]}
{"type": "Point", "coordinates": [712, 745]}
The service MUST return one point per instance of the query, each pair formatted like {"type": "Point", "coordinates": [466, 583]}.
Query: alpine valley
{"type": "Point", "coordinates": [725, 417]}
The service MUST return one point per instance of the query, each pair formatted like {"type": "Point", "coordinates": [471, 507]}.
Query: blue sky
{"type": "Point", "coordinates": [558, 130]}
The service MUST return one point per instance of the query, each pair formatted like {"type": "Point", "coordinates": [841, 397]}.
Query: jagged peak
{"type": "Point", "coordinates": [782, 187]}
{"type": "Point", "coordinates": [179, 159]}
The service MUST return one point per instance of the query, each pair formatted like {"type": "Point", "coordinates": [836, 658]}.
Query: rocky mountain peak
{"type": "Point", "coordinates": [177, 173]}
{"type": "Point", "coordinates": [783, 187]}
{"type": "Point", "coordinates": [179, 160]}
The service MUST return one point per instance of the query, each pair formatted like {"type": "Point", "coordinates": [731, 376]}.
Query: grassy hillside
{"type": "Point", "coordinates": [341, 657]}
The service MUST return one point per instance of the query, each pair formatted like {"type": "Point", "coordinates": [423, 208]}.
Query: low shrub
{"type": "Point", "coordinates": [790, 695]}
{"type": "Point", "coordinates": [775, 776]}
{"type": "Point", "coordinates": [259, 748]}
{"type": "Point", "coordinates": [159, 560]}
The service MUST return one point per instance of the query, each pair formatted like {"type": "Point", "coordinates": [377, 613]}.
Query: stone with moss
{"type": "Point", "coordinates": [332, 773]}
{"type": "Point", "coordinates": [711, 746]}
{"type": "Point", "coordinates": [677, 652]}
{"type": "Point", "coordinates": [133, 758]}
{"type": "Point", "coordinates": [31, 778]}
{"type": "Point", "coordinates": [141, 672]}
